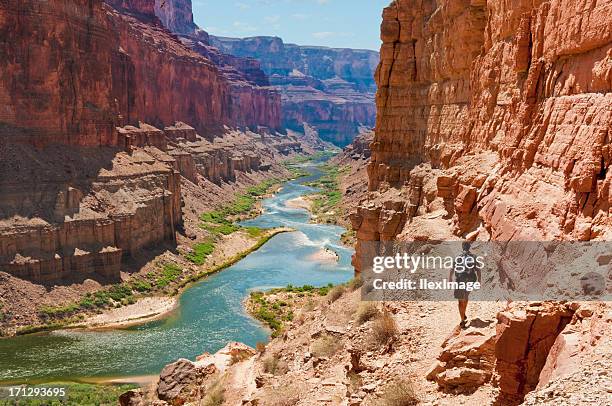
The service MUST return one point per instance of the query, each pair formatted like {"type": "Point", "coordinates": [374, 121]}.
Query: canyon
{"type": "Point", "coordinates": [330, 90]}
{"type": "Point", "coordinates": [122, 121]}
{"type": "Point", "coordinates": [493, 124]}
{"type": "Point", "coordinates": [114, 137]}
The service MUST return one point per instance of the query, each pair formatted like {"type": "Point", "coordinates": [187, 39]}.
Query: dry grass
{"type": "Point", "coordinates": [336, 293]}
{"type": "Point", "coordinates": [384, 329]}
{"type": "Point", "coordinates": [215, 395]}
{"type": "Point", "coordinates": [398, 393]}
{"type": "Point", "coordinates": [325, 346]}
{"type": "Point", "coordinates": [275, 366]}
{"type": "Point", "coordinates": [355, 381]}
{"type": "Point", "coordinates": [355, 283]}
{"type": "Point", "coordinates": [366, 312]}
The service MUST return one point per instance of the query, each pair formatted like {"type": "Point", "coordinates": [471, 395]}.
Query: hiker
{"type": "Point", "coordinates": [464, 271]}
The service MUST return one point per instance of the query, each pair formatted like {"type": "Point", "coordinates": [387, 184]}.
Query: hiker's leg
{"type": "Point", "coordinates": [462, 308]}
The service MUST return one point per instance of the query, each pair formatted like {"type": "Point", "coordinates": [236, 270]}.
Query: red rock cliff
{"type": "Point", "coordinates": [73, 70]}
{"type": "Point", "coordinates": [331, 90]}
{"type": "Point", "coordinates": [78, 196]}
{"type": "Point", "coordinates": [47, 97]}
{"type": "Point", "coordinates": [500, 110]}
{"type": "Point", "coordinates": [494, 123]}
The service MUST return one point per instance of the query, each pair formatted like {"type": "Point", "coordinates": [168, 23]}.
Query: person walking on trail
{"type": "Point", "coordinates": [464, 270]}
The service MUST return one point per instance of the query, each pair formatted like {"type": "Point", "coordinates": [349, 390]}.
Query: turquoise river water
{"type": "Point", "coordinates": [210, 314]}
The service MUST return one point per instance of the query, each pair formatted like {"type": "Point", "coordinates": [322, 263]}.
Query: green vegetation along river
{"type": "Point", "coordinates": [210, 312]}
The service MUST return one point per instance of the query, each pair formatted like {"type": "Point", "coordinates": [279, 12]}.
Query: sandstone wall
{"type": "Point", "coordinates": [493, 123]}
{"type": "Point", "coordinates": [507, 105]}
{"type": "Point", "coordinates": [47, 97]}
{"type": "Point", "coordinates": [169, 82]}
{"type": "Point", "coordinates": [278, 58]}
{"type": "Point", "coordinates": [84, 183]}
{"type": "Point", "coordinates": [176, 15]}
{"type": "Point", "coordinates": [73, 212]}
{"type": "Point", "coordinates": [74, 70]}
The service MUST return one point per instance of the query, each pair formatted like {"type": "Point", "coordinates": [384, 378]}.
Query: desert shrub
{"type": "Point", "coordinates": [398, 393]}
{"type": "Point", "coordinates": [170, 273]}
{"type": "Point", "coordinates": [119, 292]}
{"type": "Point", "coordinates": [325, 346]}
{"type": "Point", "coordinates": [78, 394]}
{"type": "Point", "coordinates": [254, 232]}
{"type": "Point", "coordinates": [215, 395]}
{"type": "Point", "coordinates": [335, 293]}
{"type": "Point", "coordinates": [141, 285]}
{"type": "Point", "coordinates": [275, 366]}
{"type": "Point", "coordinates": [200, 252]}
{"type": "Point", "coordinates": [58, 311]}
{"type": "Point", "coordinates": [366, 312]}
{"type": "Point", "coordinates": [384, 328]}
{"type": "Point", "coordinates": [270, 319]}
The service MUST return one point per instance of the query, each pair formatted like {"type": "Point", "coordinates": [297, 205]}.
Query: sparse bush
{"type": "Point", "coordinates": [200, 252]}
{"type": "Point", "coordinates": [215, 395]}
{"type": "Point", "coordinates": [325, 346]}
{"type": "Point", "coordinates": [384, 328]}
{"type": "Point", "coordinates": [59, 311]}
{"type": "Point", "coordinates": [254, 232]}
{"type": "Point", "coordinates": [170, 273]}
{"type": "Point", "coordinates": [119, 292]}
{"type": "Point", "coordinates": [275, 366]}
{"type": "Point", "coordinates": [141, 285]}
{"type": "Point", "coordinates": [398, 393]}
{"type": "Point", "coordinates": [335, 293]}
{"type": "Point", "coordinates": [366, 312]}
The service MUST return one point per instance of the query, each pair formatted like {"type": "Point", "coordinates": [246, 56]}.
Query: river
{"type": "Point", "coordinates": [210, 313]}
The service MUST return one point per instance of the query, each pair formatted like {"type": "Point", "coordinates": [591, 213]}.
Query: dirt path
{"type": "Point", "coordinates": [429, 324]}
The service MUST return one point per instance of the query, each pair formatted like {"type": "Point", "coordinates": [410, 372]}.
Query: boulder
{"type": "Point", "coordinates": [182, 381]}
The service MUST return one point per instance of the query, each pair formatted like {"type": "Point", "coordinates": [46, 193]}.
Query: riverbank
{"type": "Point", "coordinates": [210, 313]}
{"type": "Point", "coordinates": [149, 294]}
{"type": "Point", "coordinates": [236, 246]}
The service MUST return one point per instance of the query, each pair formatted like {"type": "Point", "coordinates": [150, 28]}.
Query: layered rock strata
{"type": "Point", "coordinates": [506, 108]}
{"type": "Point", "coordinates": [67, 212]}
{"type": "Point", "coordinates": [124, 67]}
{"type": "Point", "coordinates": [86, 184]}
{"type": "Point", "coordinates": [331, 90]}
{"type": "Point", "coordinates": [493, 123]}
{"type": "Point", "coordinates": [252, 102]}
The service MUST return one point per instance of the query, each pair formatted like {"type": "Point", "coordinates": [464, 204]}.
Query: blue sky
{"type": "Point", "coordinates": [335, 23]}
